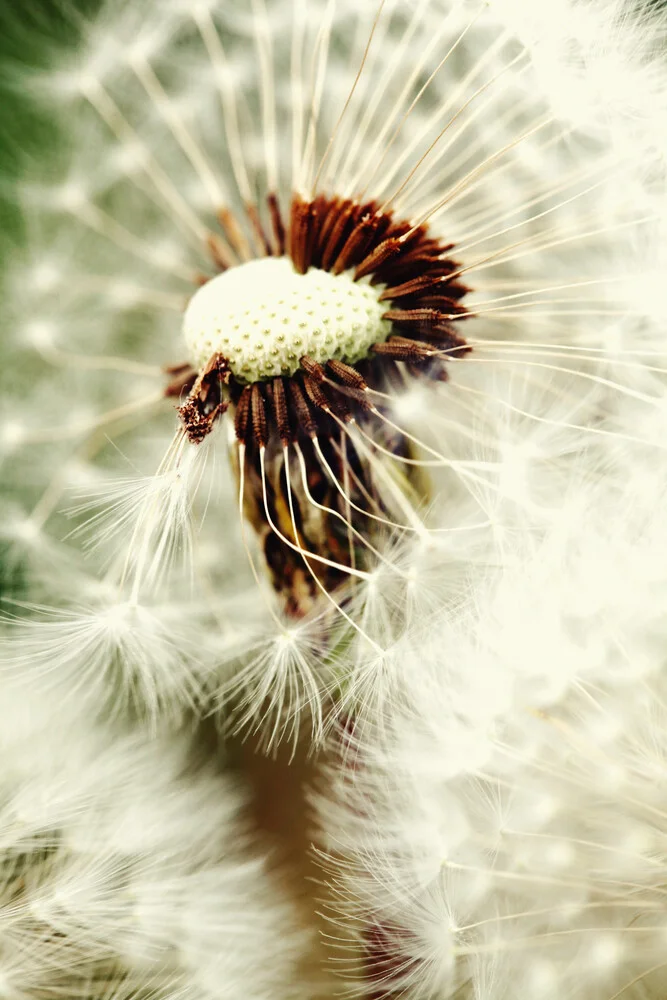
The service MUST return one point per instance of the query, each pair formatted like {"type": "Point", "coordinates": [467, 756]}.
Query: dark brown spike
{"type": "Point", "coordinates": [417, 246]}
{"type": "Point", "coordinates": [341, 396]}
{"type": "Point", "coordinates": [403, 349]}
{"type": "Point", "coordinates": [316, 394]}
{"type": "Point", "coordinates": [341, 408]}
{"type": "Point", "coordinates": [302, 234]}
{"type": "Point", "coordinates": [233, 233]}
{"type": "Point", "coordinates": [347, 214]}
{"type": "Point", "coordinates": [454, 347]}
{"type": "Point", "coordinates": [429, 244]}
{"type": "Point", "coordinates": [314, 368]}
{"type": "Point", "coordinates": [384, 222]}
{"type": "Point", "coordinates": [322, 210]}
{"type": "Point", "coordinates": [329, 215]}
{"type": "Point", "coordinates": [399, 271]}
{"type": "Point", "coordinates": [442, 333]}
{"type": "Point", "coordinates": [258, 415]}
{"type": "Point", "coordinates": [299, 409]}
{"type": "Point", "coordinates": [277, 225]}
{"type": "Point", "coordinates": [456, 289]}
{"type": "Point", "coordinates": [355, 245]}
{"type": "Point", "coordinates": [430, 248]}
{"type": "Point", "coordinates": [346, 374]}
{"type": "Point", "coordinates": [412, 287]}
{"type": "Point", "coordinates": [242, 418]}
{"type": "Point", "coordinates": [329, 399]}
{"type": "Point", "coordinates": [387, 250]}
{"type": "Point", "coordinates": [443, 248]}
{"type": "Point", "coordinates": [443, 303]}
{"type": "Point", "coordinates": [280, 411]}
{"type": "Point", "coordinates": [422, 319]}
{"type": "Point", "coordinates": [404, 231]}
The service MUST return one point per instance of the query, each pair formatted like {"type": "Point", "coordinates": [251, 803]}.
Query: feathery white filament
{"type": "Point", "coordinates": [498, 657]}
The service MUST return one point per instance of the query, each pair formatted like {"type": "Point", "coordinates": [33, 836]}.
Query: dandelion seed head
{"type": "Point", "coordinates": [508, 141]}
{"type": "Point", "coordinates": [263, 317]}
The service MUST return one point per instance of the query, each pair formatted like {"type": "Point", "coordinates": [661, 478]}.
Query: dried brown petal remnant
{"type": "Point", "coordinates": [205, 402]}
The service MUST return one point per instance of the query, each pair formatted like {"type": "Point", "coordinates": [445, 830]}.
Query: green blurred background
{"type": "Point", "coordinates": [32, 32]}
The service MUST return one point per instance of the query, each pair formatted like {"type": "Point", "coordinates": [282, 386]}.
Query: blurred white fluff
{"type": "Point", "coordinates": [530, 135]}
{"type": "Point", "coordinates": [503, 832]}
{"type": "Point", "coordinates": [127, 869]}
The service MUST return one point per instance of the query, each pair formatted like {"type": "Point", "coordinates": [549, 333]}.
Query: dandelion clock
{"type": "Point", "coordinates": [334, 412]}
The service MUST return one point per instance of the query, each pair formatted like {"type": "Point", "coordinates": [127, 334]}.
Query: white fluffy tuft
{"type": "Point", "coordinates": [495, 827]}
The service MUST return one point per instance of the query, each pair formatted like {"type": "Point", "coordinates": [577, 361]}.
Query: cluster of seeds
{"type": "Point", "coordinates": [340, 296]}
{"type": "Point", "coordinates": [263, 317]}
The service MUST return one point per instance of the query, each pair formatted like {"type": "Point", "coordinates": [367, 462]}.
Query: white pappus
{"type": "Point", "coordinates": [336, 390]}
{"type": "Point", "coordinates": [473, 173]}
